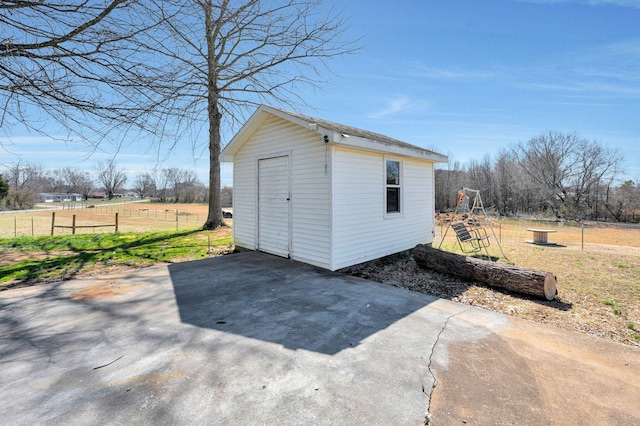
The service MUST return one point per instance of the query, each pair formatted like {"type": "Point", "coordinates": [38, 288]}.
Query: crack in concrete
{"type": "Point", "coordinates": [427, 417]}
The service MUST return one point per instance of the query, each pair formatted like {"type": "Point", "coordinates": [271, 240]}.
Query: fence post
{"type": "Point", "coordinates": [73, 225]}
{"type": "Point", "coordinates": [582, 229]}
{"type": "Point", "coordinates": [176, 219]}
{"type": "Point", "coordinates": [53, 221]}
{"type": "Point", "coordinates": [15, 226]}
{"type": "Point", "coordinates": [116, 222]}
{"type": "Point", "coordinates": [32, 234]}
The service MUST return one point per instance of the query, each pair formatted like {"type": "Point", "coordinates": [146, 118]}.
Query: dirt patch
{"type": "Point", "coordinates": [100, 291]}
{"type": "Point", "coordinates": [9, 257]}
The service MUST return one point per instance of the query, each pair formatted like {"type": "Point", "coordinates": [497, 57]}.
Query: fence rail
{"type": "Point", "coordinates": [131, 218]}
{"type": "Point", "coordinates": [585, 236]}
{"type": "Point", "coordinates": [73, 225]}
{"type": "Point", "coordinates": [155, 218]}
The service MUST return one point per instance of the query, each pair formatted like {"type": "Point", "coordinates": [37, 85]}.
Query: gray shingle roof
{"type": "Point", "coordinates": [354, 131]}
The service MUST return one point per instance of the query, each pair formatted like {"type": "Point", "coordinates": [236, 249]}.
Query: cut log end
{"type": "Point", "coordinates": [550, 289]}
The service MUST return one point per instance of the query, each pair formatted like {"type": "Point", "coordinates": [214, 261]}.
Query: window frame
{"type": "Point", "coordinates": [399, 186]}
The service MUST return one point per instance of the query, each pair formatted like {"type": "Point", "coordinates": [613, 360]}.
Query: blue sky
{"type": "Point", "coordinates": [465, 78]}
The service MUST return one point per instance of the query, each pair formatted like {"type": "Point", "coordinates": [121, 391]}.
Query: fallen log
{"type": "Point", "coordinates": [514, 278]}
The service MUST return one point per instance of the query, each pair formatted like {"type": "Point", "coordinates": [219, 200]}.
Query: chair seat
{"type": "Point", "coordinates": [472, 237]}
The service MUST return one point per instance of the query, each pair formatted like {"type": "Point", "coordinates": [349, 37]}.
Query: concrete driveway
{"type": "Point", "coordinates": [254, 339]}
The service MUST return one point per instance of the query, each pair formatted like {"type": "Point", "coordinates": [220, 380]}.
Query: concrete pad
{"type": "Point", "coordinates": [255, 339]}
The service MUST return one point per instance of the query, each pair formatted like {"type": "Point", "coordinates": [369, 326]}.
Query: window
{"type": "Point", "coordinates": [392, 184]}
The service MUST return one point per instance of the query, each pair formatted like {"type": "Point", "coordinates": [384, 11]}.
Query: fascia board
{"type": "Point", "coordinates": [385, 148]}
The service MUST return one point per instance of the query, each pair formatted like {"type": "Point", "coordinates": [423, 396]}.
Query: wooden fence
{"type": "Point", "coordinates": [73, 226]}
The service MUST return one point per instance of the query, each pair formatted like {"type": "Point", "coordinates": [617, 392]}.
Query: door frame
{"type": "Point", "coordinates": [278, 154]}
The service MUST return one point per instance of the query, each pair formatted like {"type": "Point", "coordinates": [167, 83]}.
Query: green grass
{"type": "Point", "coordinates": [44, 259]}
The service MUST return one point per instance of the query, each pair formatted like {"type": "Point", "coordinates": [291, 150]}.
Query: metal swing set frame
{"type": "Point", "coordinates": [471, 236]}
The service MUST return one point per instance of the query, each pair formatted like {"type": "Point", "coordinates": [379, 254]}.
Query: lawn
{"type": "Point", "coordinates": [35, 260]}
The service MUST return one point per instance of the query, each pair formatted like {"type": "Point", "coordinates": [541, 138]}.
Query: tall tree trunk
{"type": "Point", "coordinates": [214, 218]}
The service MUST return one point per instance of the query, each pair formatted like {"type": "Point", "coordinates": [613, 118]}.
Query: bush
{"type": "Point", "coordinates": [19, 200]}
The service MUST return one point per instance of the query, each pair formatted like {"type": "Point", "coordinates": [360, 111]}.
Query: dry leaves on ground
{"type": "Point", "coordinates": [568, 311]}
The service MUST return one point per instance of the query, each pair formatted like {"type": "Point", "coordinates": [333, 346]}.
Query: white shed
{"type": "Point", "coordinates": [327, 194]}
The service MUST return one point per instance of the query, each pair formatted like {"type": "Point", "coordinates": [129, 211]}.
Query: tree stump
{"type": "Point", "coordinates": [514, 278]}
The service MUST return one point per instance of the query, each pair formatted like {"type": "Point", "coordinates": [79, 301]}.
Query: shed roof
{"type": "Point", "coordinates": [337, 134]}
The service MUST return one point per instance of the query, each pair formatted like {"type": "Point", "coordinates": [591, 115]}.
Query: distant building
{"type": "Point", "coordinates": [98, 194]}
{"type": "Point", "coordinates": [58, 197]}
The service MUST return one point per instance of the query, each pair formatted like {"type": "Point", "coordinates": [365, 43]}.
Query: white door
{"type": "Point", "coordinates": [273, 205]}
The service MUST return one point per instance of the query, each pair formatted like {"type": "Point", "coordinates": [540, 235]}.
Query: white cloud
{"type": "Point", "coordinates": [402, 106]}
{"type": "Point", "coordinates": [391, 107]}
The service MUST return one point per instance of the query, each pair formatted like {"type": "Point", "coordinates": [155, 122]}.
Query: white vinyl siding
{"type": "Point", "coordinates": [310, 193]}
{"type": "Point", "coordinates": [360, 230]}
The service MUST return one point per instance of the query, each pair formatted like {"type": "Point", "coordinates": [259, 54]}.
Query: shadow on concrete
{"type": "Point", "coordinates": [286, 302]}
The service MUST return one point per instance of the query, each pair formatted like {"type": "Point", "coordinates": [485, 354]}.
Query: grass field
{"type": "Point", "coordinates": [597, 266]}
{"type": "Point", "coordinates": [133, 217]}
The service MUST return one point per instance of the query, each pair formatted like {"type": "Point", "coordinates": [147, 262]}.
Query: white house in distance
{"type": "Point", "coordinates": [327, 194]}
{"type": "Point", "coordinates": [54, 197]}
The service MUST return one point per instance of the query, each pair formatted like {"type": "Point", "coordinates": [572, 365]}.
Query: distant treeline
{"type": "Point", "coordinates": [555, 175]}
{"type": "Point", "coordinates": [22, 183]}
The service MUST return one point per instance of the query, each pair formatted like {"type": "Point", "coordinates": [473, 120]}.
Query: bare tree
{"type": "Point", "coordinates": [77, 181]}
{"type": "Point", "coordinates": [178, 180]}
{"type": "Point", "coordinates": [55, 181]}
{"type": "Point", "coordinates": [623, 203]}
{"type": "Point", "coordinates": [481, 177]}
{"type": "Point", "coordinates": [448, 181]}
{"type": "Point", "coordinates": [160, 183]}
{"type": "Point", "coordinates": [237, 54]}
{"type": "Point", "coordinates": [565, 168]}
{"type": "Point", "coordinates": [78, 63]}
{"type": "Point", "coordinates": [25, 181]}
{"type": "Point", "coordinates": [515, 192]}
{"type": "Point", "coordinates": [111, 178]}
{"type": "Point", "coordinates": [226, 196]}
{"type": "Point", "coordinates": [26, 176]}
{"type": "Point", "coordinates": [162, 64]}
{"type": "Point", "coordinates": [144, 185]}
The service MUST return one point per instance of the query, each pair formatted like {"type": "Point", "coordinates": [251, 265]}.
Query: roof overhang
{"type": "Point", "coordinates": [328, 134]}
{"type": "Point", "coordinates": [356, 142]}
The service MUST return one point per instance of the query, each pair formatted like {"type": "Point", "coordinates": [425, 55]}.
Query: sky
{"type": "Point", "coordinates": [465, 78]}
